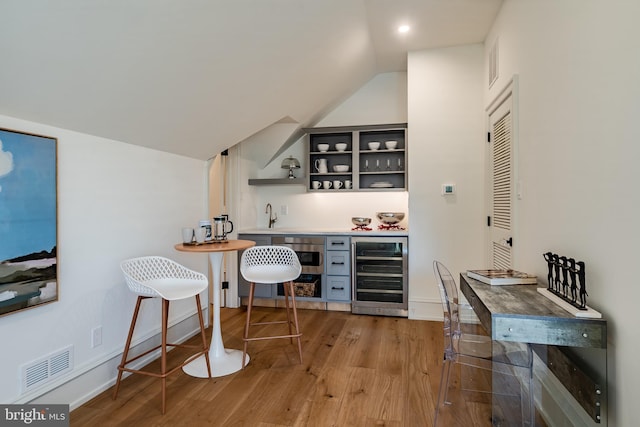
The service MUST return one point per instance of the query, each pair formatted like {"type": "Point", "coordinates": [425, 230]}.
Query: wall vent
{"type": "Point", "coordinates": [493, 62]}
{"type": "Point", "coordinates": [41, 371]}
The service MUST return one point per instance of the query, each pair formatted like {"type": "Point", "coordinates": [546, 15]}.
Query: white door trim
{"type": "Point", "coordinates": [508, 93]}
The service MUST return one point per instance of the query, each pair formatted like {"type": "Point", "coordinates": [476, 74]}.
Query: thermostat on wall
{"type": "Point", "coordinates": [448, 189]}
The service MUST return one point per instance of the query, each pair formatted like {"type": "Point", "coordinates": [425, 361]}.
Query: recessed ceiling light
{"type": "Point", "coordinates": [404, 28]}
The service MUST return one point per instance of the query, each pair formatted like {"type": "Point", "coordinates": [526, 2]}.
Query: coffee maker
{"type": "Point", "coordinates": [221, 227]}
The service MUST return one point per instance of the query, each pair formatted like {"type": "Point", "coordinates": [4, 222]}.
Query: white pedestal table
{"type": "Point", "coordinates": [223, 361]}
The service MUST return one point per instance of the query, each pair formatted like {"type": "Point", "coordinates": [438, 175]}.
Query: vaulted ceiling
{"type": "Point", "coordinates": [194, 77]}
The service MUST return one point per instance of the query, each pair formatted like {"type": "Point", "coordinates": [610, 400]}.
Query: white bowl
{"type": "Point", "coordinates": [391, 145]}
{"type": "Point", "coordinates": [323, 147]}
{"type": "Point", "coordinates": [341, 168]}
{"type": "Point", "coordinates": [374, 145]}
{"type": "Point", "coordinates": [341, 146]}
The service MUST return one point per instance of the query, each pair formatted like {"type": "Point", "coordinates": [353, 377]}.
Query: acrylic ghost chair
{"type": "Point", "coordinates": [271, 265]}
{"type": "Point", "coordinates": [487, 364]}
{"type": "Point", "coordinates": [158, 277]}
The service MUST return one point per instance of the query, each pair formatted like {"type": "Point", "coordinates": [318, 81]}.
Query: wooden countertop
{"type": "Point", "coordinates": [230, 245]}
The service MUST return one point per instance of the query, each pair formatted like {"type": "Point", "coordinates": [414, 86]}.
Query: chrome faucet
{"type": "Point", "coordinates": [272, 218]}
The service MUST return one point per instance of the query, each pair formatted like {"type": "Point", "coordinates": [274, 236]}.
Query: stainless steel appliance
{"type": "Point", "coordinates": [310, 251]}
{"type": "Point", "coordinates": [379, 271]}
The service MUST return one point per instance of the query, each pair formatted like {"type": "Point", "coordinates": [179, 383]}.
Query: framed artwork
{"type": "Point", "coordinates": [28, 221]}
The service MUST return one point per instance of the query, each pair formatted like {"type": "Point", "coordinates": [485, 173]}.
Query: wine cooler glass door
{"type": "Point", "coordinates": [380, 275]}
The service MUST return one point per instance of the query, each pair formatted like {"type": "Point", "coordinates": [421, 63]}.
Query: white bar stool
{"type": "Point", "coordinates": [158, 277]}
{"type": "Point", "coordinates": [271, 265]}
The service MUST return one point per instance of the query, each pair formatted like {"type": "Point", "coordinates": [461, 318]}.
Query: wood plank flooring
{"type": "Point", "coordinates": [357, 371]}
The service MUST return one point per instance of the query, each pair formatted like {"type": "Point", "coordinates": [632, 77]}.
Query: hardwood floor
{"type": "Point", "coordinates": [357, 371]}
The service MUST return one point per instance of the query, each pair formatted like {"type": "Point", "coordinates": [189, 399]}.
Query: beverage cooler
{"type": "Point", "coordinates": [379, 272]}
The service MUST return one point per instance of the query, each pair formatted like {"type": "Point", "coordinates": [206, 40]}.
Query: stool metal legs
{"type": "Point", "coordinates": [202, 350]}
{"type": "Point", "coordinates": [288, 293]}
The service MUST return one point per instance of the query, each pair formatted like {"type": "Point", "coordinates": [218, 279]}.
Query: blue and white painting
{"type": "Point", "coordinates": [28, 221]}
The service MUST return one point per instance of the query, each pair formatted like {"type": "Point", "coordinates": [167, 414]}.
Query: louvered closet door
{"type": "Point", "coordinates": [501, 186]}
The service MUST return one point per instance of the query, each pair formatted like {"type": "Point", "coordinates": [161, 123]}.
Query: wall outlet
{"type": "Point", "coordinates": [96, 336]}
{"type": "Point", "coordinates": [284, 209]}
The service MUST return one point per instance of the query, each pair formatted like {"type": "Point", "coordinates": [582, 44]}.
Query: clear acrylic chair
{"type": "Point", "coordinates": [271, 265]}
{"type": "Point", "coordinates": [158, 277]}
{"type": "Point", "coordinates": [478, 373]}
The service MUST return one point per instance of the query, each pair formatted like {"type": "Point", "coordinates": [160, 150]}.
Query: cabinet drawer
{"type": "Point", "coordinates": [338, 288]}
{"type": "Point", "coordinates": [338, 263]}
{"type": "Point", "coordinates": [337, 243]}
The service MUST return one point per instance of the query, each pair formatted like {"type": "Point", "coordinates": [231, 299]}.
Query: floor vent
{"type": "Point", "coordinates": [41, 371]}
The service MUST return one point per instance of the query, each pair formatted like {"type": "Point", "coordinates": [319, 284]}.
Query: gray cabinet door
{"type": "Point", "coordinates": [338, 288]}
{"type": "Point", "coordinates": [338, 263]}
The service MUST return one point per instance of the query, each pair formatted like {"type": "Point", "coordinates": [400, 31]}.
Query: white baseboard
{"type": "Point", "coordinates": [88, 381]}
{"type": "Point", "coordinates": [425, 309]}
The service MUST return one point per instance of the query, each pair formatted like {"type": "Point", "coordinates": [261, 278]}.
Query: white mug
{"type": "Point", "coordinates": [326, 184]}
{"type": "Point", "coordinates": [201, 234]}
{"type": "Point", "coordinates": [187, 235]}
{"type": "Point", "coordinates": [347, 184]}
{"type": "Point", "coordinates": [315, 185]}
{"type": "Point", "coordinates": [206, 224]}
{"type": "Point", "coordinates": [337, 184]}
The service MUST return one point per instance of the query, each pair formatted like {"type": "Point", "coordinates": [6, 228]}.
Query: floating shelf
{"type": "Point", "coordinates": [278, 181]}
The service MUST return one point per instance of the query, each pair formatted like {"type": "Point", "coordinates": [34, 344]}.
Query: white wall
{"type": "Point", "coordinates": [447, 134]}
{"type": "Point", "coordinates": [115, 201]}
{"type": "Point", "coordinates": [578, 64]}
{"type": "Point", "coordinates": [382, 100]}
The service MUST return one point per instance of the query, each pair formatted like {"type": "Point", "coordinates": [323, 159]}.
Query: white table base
{"type": "Point", "coordinates": [223, 361]}
{"type": "Point", "coordinates": [223, 365]}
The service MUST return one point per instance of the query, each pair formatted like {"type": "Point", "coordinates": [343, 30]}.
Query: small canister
{"type": "Point", "coordinates": [206, 224]}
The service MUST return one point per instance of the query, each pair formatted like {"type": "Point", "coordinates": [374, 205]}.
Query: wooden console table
{"type": "Point", "coordinates": [574, 349]}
